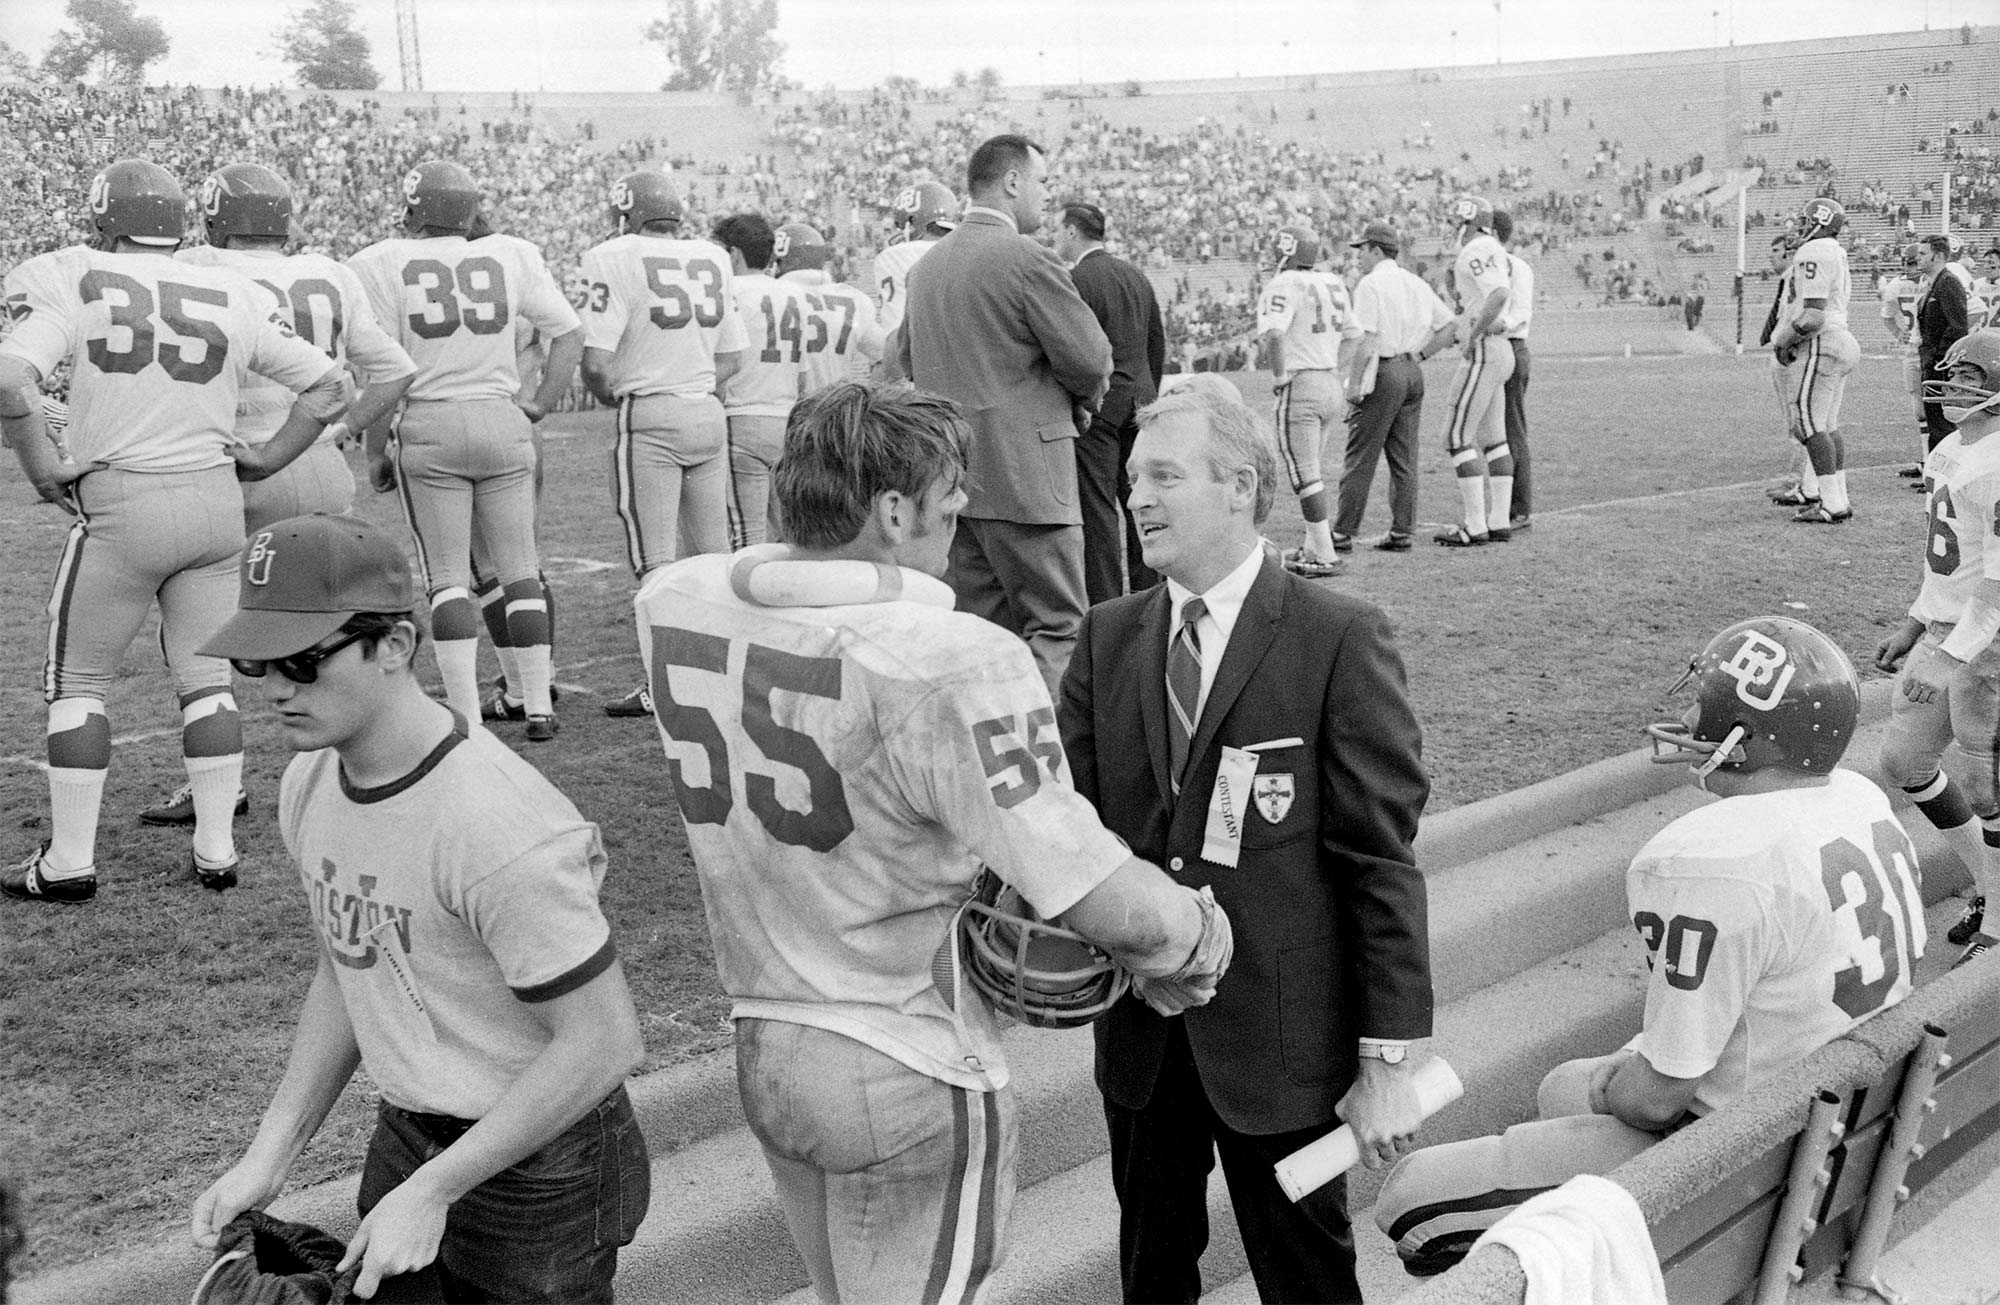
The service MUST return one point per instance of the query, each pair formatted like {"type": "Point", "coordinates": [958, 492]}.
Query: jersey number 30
{"type": "Point", "coordinates": [824, 825]}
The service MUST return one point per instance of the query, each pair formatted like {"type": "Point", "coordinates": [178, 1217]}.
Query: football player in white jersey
{"type": "Point", "coordinates": [465, 456]}
{"type": "Point", "coordinates": [759, 395]}
{"type": "Point", "coordinates": [1775, 920]}
{"type": "Point", "coordinates": [159, 352]}
{"type": "Point", "coordinates": [662, 331]}
{"type": "Point", "coordinates": [1802, 486]}
{"type": "Point", "coordinates": [925, 213]}
{"type": "Point", "coordinates": [1813, 342]}
{"type": "Point", "coordinates": [1303, 319]}
{"type": "Point", "coordinates": [1950, 688]}
{"type": "Point", "coordinates": [846, 340]}
{"type": "Point", "coordinates": [1475, 435]}
{"type": "Point", "coordinates": [846, 752]}
{"type": "Point", "coordinates": [246, 213]}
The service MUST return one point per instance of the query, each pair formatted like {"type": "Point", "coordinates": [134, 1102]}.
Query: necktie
{"type": "Point", "coordinates": [1183, 688]}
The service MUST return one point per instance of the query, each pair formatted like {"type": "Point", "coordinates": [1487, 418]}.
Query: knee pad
{"type": "Point", "coordinates": [79, 735]}
{"type": "Point", "coordinates": [210, 725]}
{"type": "Point", "coordinates": [452, 614]}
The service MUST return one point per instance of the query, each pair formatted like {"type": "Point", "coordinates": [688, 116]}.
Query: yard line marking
{"type": "Point", "coordinates": [1689, 493]}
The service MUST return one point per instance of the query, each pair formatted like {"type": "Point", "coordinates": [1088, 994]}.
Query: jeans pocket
{"type": "Point", "coordinates": [624, 1173]}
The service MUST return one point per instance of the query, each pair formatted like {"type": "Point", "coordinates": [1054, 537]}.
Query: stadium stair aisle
{"type": "Point", "coordinates": [1533, 963]}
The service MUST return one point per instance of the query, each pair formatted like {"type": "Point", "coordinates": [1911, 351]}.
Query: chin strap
{"type": "Point", "coordinates": [1714, 761]}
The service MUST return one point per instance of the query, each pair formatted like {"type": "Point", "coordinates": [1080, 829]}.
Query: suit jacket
{"type": "Point", "coordinates": [1940, 314]}
{"type": "Point", "coordinates": [1326, 901]}
{"type": "Point", "coordinates": [993, 322]}
{"type": "Point", "coordinates": [1123, 301]}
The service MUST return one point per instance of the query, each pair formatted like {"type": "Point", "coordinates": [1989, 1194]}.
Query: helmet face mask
{"type": "Point", "coordinates": [1768, 692]}
{"type": "Point", "coordinates": [1821, 217]}
{"type": "Point", "coordinates": [1971, 387]}
{"type": "Point", "coordinates": [1039, 973]}
{"type": "Point", "coordinates": [922, 206]}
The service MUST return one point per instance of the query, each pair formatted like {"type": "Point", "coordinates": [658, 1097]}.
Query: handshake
{"type": "Point", "coordinates": [1193, 983]}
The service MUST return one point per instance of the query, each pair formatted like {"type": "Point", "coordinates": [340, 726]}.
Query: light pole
{"type": "Point", "coordinates": [1454, 47]}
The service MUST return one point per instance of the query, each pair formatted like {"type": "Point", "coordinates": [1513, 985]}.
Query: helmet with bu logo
{"type": "Point", "coordinates": [1039, 973]}
{"type": "Point", "coordinates": [138, 200]}
{"type": "Point", "coordinates": [1767, 692]}
{"type": "Point", "coordinates": [245, 199]}
{"type": "Point", "coordinates": [641, 197]}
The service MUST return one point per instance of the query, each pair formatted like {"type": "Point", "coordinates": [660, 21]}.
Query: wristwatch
{"type": "Point", "coordinates": [1389, 1053]}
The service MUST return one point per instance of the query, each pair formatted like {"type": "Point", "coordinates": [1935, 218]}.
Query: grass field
{"type": "Point", "coordinates": [144, 1032]}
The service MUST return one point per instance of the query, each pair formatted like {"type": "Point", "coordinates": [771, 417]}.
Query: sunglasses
{"type": "Point", "coordinates": [300, 667]}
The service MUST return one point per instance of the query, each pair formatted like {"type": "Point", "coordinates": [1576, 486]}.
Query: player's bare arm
{"type": "Point", "coordinates": [324, 1055]}
{"type": "Point", "coordinates": [26, 429]}
{"type": "Point", "coordinates": [317, 405]}
{"type": "Point", "coordinates": [594, 1046]}
{"type": "Point", "coordinates": [1639, 1095]}
{"type": "Point", "coordinates": [565, 352]}
{"type": "Point", "coordinates": [1785, 341]}
{"type": "Point", "coordinates": [597, 375]}
{"type": "Point", "coordinates": [1273, 343]}
{"type": "Point", "coordinates": [377, 400]}
{"type": "Point", "coordinates": [1157, 929]}
{"type": "Point", "coordinates": [381, 469]}
{"type": "Point", "coordinates": [1482, 321]}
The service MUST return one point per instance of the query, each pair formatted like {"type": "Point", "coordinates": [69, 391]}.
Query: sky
{"type": "Point", "coordinates": [595, 45]}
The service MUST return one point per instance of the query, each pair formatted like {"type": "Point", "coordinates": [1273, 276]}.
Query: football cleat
{"type": "Point", "coordinates": [641, 197]}
{"type": "Point", "coordinates": [1518, 524]}
{"type": "Point", "coordinates": [177, 808]}
{"type": "Point", "coordinates": [140, 201]}
{"type": "Point", "coordinates": [1911, 472]}
{"type": "Point", "coordinates": [1342, 543]}
{"type": "Point", "coordinates": [25, 880]}
{"type": "Point", "coordinates": [1792, 496]}
{"type": "Point", "coordinates": [1981, 944]}
{"type": "Point", "coordinates": [1817, 514]}
{"type": "Point", "coordinates": [1300, 563]}
{"type": "Point", "coordinates": [1394, 542]}
{"type": "Point", "coordinates": [1968, 923]}
{"type": "Point", "coordinates": [1770, 691]}
{"type": "Point", "coordinates": [215, 878]}
{"type": "Point", "coordinates": [245, 199]}
{"type": "Point", "coordinates": [1499, 534]}
{"type": "Point", "coordinates": [639, 702]}
{"type": "Point", "coordinates": [1458, 537]}
{"type": "Point", "coordinates": [440, 196]}
{"type": "Point", "coordinates": [496, 707]}
{"type": "Point", "coordinates": [541, 728]}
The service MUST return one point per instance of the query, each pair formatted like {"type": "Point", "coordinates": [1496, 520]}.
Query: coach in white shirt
{"type": "Point", "coordinates": [1514, 320]}
{"type": "Point", "coordinates": [1403, 322]}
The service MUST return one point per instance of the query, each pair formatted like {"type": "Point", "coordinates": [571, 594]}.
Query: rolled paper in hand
{"type": "Point", "coordinates": [1316, 1164]}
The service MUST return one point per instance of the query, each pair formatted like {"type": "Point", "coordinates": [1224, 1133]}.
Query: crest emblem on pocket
{"type": "Point", "coordinates": [1273, 796]}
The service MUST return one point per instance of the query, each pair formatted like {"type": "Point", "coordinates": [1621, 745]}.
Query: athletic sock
{"type": "Point", "coordinates": [528, 626]}
{"type": "Point", "coordinates": [1319, 539]}
{"type": "Point", "coordinates": [215, 782]}
{"type": "Point", "coordinates": [1833, 492]}
{"type": "Point", "coordinates": [458, 665]}
{"type": "Point", "coordinates": [75, 797]}
{"type": "Point", "coordinates": [1986, 871]}
{"type": "Point", "coordinates": [1472, 497]}
{"type": "Point", "coordinates": [1502, 499]}
{"type": "Point", "coordinates": [1943, 804]}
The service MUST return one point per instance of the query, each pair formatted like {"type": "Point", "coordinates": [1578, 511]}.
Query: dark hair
{"type": "Point", "coordinates": [1939, 245]}
{"type": "Point", "coordinates": [1503, 225]}
{"type": "Point", "coordinates": [1780, 239]}
{"type": "Point", "coordinates": [854, 441]}
{"type": "Point", "coordinates": [996, 158]}
{"type": "Point", "coordinates": [375, 626]}
{"type": "Point", "coordinates": [751, 235]}
{"type": "Point", "coordinates": [1088, 219]}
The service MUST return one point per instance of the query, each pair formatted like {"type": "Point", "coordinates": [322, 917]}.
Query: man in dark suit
{"type": "Point", "coordinates": [1941, 321]}
{"type": "Point", "coordinates": [994, 322]}
{"type": "Point", "coordinates": [1123, 300]}
{"type": "Point", "coordinates": [1262, 743]}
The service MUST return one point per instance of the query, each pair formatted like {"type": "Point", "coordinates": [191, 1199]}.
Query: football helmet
{"type": "Point", "coordinates": [798, 246]}
{"type": "Point", "coordinates": [1767, 692]}
{"type": "Point", "coordinates": [138, 200]}
{"type": "Point", "coordinates": [926, 206]}
{"type": "Point", "coordinates": [1913, 254]}
{"type": "Point", "coordinates": [1039, 973]}
{"type": "Point", "coordinates": [1471, 213]}
{"type": "Point", "coordinates": [1972, 377]}
{"type": "Point", "coordinates": [440, 195]}
{"type": "Point", "coordinates": [1297, 247]}
{"type": "Point", "coordinates": [1821, 217]}
{"type": "Point", "coordinates": [245, 199]}
{"type": "Point", "coordinates": [641, 197]}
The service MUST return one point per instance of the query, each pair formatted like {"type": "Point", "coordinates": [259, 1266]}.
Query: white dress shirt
{"type": "Point", "coordinates": [1398, 309]}
{"type": "Point", "coordinates": [1224, 601]}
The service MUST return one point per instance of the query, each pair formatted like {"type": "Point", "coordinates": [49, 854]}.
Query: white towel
{"type": "Point", "coordinates": [1584, 1243]}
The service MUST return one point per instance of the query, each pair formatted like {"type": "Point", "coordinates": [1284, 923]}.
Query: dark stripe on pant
{"type": "Point", "coordinates": [68, 567]}
{"type": "Point", "coordinates": [986, 1241]}
{"type": "Point", "coordinates": [1461, 406]}
{"type": "Point", "coordinates": [626, 491]}
{"type": "Point", "coordinates": [1807, 377]}
{"type": "Point", "coordinates": [947, 1240]}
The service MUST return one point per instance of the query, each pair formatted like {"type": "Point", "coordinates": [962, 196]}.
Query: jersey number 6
{"type": "Point", "coordinates": [827, 823]}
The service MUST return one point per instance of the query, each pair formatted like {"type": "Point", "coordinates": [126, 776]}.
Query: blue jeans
{"type": "Point", "coordinates": [546, 1229]}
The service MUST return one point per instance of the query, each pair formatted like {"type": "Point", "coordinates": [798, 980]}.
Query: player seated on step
{"type": "Point", "coordinates": [1950, 686]}
{"type": "Point", "coordinates": [1775, 920]}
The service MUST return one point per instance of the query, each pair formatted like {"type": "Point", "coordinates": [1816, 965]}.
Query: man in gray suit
{"type": "Point", "coordinates": [994, 323]}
